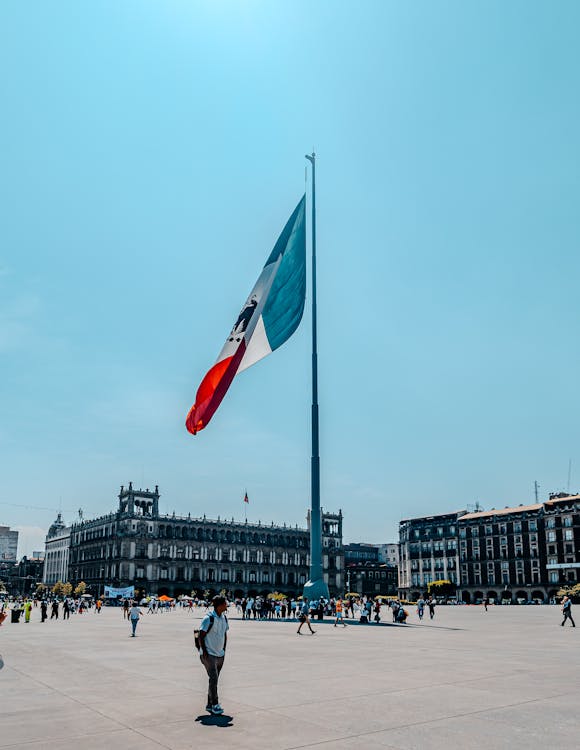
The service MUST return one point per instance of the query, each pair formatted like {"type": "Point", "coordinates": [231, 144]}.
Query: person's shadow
{"type": "Point", "coordinates": [208, 720]}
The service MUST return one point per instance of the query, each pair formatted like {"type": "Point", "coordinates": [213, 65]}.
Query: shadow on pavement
{"type": "Point", "coordinates": [216, 721]}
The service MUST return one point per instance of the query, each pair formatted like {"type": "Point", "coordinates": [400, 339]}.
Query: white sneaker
{"type": "Point", "coordinates": [217, 710]}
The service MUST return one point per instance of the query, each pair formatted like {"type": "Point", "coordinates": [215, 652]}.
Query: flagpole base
{"type": "Point", "coordinates": [315, 590]}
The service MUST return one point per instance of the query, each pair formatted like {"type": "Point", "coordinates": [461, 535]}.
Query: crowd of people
{"type": "Point", "coordinates": [21, 608]}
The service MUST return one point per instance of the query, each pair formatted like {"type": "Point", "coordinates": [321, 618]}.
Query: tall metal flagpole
{"type": "Point", "coordinates": [316, 586]}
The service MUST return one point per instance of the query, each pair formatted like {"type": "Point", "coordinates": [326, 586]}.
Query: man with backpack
{"type": "Point", "coordinates": [211, 640]}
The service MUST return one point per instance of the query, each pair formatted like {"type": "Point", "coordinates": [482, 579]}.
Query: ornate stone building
{"type": "Point", "coordinates": [171, 555]}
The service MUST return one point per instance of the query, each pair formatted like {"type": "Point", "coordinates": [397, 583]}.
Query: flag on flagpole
{"type": "Point", "coordinates": [246, 498]}
{"type": "Point", "coordinates": [269, 317]}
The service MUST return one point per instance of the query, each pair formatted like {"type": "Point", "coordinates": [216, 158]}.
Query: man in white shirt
{"type": "Point", "coordinates": [134, 614]}
{"type": "Point", "coordinates": [213, 641]}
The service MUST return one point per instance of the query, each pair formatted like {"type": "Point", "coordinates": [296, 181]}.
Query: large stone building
{"type": "Point", "coordinates": [500, 555]}
{"type": "Point", "coordinates": [56, 554]}
{"type": "Point", "coordinates": [562, 540]}
{"type": "Point", "coordinates": [428, 552]}
{"type": "Point", "coordinates": [8, 544]}
{"type": "Point", "coordinates": [163, 554]}
{"type": "Point", "coordinates": [512, 554]}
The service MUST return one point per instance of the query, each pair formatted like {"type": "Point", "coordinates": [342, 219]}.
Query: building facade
{"type": "Point", "coordinates": [562, 540]}
{"type": "Point", "coordinates": [428, 552]}
{"type": "Point", "coordinates": [56, 554]}
{"type": "Point", "coordinates": [371, 578]}
{"type": "Point", "coordinates": [8, 544]}
{"type": "Point", "coordinates": [389, 553]}
{"type": "Point", "coordinates": [162, 554]}
{"type": "Point", "coordinates": [501, 556]}
{"type": "Point", "coordinates": [359, 552]}
{"type": "Point", "coordinates": [514, 554]}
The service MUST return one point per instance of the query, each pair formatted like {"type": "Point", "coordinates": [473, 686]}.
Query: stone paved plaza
{"type": "Point", "coordinates": [506, 678]}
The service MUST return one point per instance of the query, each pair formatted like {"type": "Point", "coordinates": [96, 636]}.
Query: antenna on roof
{"type": "Point", "coordinates": [569, 473]}
{"type": "Point", "coordinates": [80, 514]}
{"type": "Point", "coordinates": [536, 487]}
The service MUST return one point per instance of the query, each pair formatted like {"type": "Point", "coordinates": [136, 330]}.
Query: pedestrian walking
{"type": "Point", "coordinates": [305, 617]}
{"type": "Point", "coordinates": [27, 610]}
{"type": "Point", "coordinates": [567, 611]}
{"type": "Point", "coordinates": [431, 604]}
{"type": "Point", "coordinates": [212, 638]}
{"type": "Point", "coordinates": [134, 614]}
{"type": "Point", "coordinates": [486, 603]}
{"type": "Point", "coordinates": [54, 610]}
{"type": "Point", "coordinates": [421, 607]}
{"type": "Point", "coordinates": [43, 610]}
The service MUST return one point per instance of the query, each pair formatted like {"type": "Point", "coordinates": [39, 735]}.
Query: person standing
{"type": "Point", "coordinates": [339, 613]}
{"type": "Point", "coordinates": [567, 611]}
{"type": "Point", "coordinates": [126, 609]}
{"type": "Point", "coordinates": [134, 614]}
{"type": "Point", "coordinates": [305, 617]}
{"type": "Point", "coordinates": [54, 610]}
{"type": "Point", "coordinates": [66, 610]}
{"type": "Point", "coordinates": [213, 641]}
{"type": "Point", "coordinates": [43, 610]}
{"type": "Point", "coordinates": [27, 610]}
{"type": "Point", "coordinates": [486, 603]}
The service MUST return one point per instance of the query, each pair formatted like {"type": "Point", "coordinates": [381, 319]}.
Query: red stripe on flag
{"type": "Point", "coordinates": [213, 388]}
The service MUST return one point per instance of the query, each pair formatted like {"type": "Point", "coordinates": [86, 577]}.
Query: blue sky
{"type": "Point", "coordinates": [152, 152]}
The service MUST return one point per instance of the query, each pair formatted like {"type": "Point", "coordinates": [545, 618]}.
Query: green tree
{"type": "Point", "coordinates": [41, 589]}
{"type": "Point", "coordinates": [58, 588]}
{"type": "Point", "coordinates": [572, 591]}
{"type": "Point", "coordinates": [441, 588]}
{"type": "Point", "coordinates": [80, 588]}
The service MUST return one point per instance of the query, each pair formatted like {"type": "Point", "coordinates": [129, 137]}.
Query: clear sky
{"type": "Point", "coordinates": [150, 155]}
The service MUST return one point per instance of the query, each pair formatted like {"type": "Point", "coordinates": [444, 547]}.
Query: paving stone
{"type": "Point", "coordinates": [506, 678]}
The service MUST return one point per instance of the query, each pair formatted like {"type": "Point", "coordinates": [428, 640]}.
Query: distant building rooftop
{"type": "Point", "coordinates": [501, 511]}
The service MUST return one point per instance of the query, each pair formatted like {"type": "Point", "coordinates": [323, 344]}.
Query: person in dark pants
{"type": "Point", "coordinates": [431, 604]}
{"type": "Point", "coordinates": [213, 639]}
{"type": "Point", "coordinates": [43, 611]}
{"type": "Point", "coordinates": [567, 611]}
{"type": "Point", "coordinates": [54, 610]}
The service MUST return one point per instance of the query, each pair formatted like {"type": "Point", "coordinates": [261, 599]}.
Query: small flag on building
{"type": "Point", "coordinates": [246, 498]}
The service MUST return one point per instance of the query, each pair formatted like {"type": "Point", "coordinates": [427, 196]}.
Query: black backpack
{"type": "Point", "coordinates": [197, 639]}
